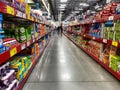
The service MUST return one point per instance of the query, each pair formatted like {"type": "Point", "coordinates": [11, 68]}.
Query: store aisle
{"type": "Point", "coordinates": [64, 66]}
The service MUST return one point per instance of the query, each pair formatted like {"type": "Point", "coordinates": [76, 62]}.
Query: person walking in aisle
{"type": "Point", "coordinates": [61, 29]}
{"type": "Point", "coordinates": [58, 30]}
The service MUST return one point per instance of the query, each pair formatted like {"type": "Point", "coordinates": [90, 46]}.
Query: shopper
{"type": "Point", "coordinates": [61, 29]}
{"type": "Point", "coordinates": [58, 30]}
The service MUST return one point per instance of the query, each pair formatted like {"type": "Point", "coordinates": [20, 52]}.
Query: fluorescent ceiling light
{"type": "Point", "coordinates": [84, 4]}
{"type": "Point", "coordinates": [29, 1]}
{"type": "Point", "coordinates": [75, 12]}
{"type": "Point", "coordinates": [62, 9]}
{"type": "Point", "coordinates": [63, 5]}
{"type": "Point", "coordinates": [93, 12]}
{"type": "Point", "coordinates": [80, 8]}
{"type": "Point", "coordinates": [99, 9]}
{"type": "Point", "coordinates": [63, 1]}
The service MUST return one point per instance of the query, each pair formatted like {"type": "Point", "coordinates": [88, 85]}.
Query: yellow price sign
{"type": "Point", "coordinates": [13, 52]}
{"type": "Point", "coordinates": [114, 43]}
{"type": "Point", "coordinates": [10, 10]}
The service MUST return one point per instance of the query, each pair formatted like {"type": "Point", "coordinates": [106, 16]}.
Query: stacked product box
{"type": "Point", "coordinates": [21, 66]}
{"type": "Point", "coordinates": [2, 47]}
{"type": "Point", "coordinates": [8, 79]}
{"type": "Point", "coordinates": [96, 30]}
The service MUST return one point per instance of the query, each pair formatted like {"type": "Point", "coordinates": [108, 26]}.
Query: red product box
{"type": "Point", "coordinates": [3, 7]}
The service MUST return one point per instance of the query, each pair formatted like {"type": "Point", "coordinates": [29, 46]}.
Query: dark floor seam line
{"type": "Point", "coordinates": [68, 81]}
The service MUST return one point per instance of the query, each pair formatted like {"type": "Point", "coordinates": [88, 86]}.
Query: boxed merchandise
{"type": "Point", "coordinates": [9, 43]}
{"type": "Point", "coordinates": [117, 36]}
{"type": "Point", "coordinates": [111, 35]}
{"type": "Point", "coordinates": [7, 77]}
{"type": "Point", "coordinates": [96, 30]}
{"type": "Point", "coordinates": [28, 34]}
{"type": "Point", "coordinates": [117, 25]}
{"type": "Point", "coordinates": [8, 2]}
{"type": "Point", "coordinates": [94, 47]}
{"type": "Point", "coordinates": [29, 52]}
{"type": "Point", "coordinates": [36, 48]}
{"type": "Point", "coordinates": [19, 5]}
{"type": "Point", "coordinates": [114, 62]}
{"type": "Point", "coordinates": [106, 54]}
{"type": "Point", "coordinates": [27, 9]}
{"type": "Point", "coordinates": [118, 9]}
{"type": "Point", "coordinates": [21, 65]}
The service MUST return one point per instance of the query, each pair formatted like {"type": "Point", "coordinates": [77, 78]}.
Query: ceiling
{"type": "Point", "coordinates": [71, 6]}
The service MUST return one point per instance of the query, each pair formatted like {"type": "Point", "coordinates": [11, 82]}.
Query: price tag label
{"type": "Point", "coordinates": [114, 43]}
{"type": "Point", "coordinates": [111, 17]}
{"type": "Point", "coordinates": [19, 14]}
{"type": "Point", "coordinates": [13, 52]}
{"type": "Point", "coordinates": [28, 43]}
{"type": "Point", "coordinates": [93, 38]}
{"type": "Point", "coordinates": [10, 10]}
{"type": "Point", "coordinates": [105, 40]}
{"type": "Point", "coordinates": [33, 40]}
{"type": "Point", "coordinates": [24, 15]}
{"type": "Point", "coordinates": [22, 46]}
{"type": "Point", "coordinates": [94, 21]}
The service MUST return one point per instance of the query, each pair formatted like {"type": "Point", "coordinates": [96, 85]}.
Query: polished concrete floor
{"type": "Point", "coordinates": [63, 66]}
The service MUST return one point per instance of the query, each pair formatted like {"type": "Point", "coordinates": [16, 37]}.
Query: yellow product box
{"type": "Point", "coordinates": [19, 75]}
{"type": "Point", "coordinates": [22, 1]}
{"type": "Point", "coordinates": [25, 73]}
{"type": "Point", "coordinates": [28, 16]}
{"type": "Point", "coordinates": [27, 8]}
{"type": "Point", "coordinates": [17, 66]}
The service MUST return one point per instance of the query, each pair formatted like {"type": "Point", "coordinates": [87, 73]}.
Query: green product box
{"type": "Point", "coordinates": [114, 67]}
{"type": "Point", "coordinates": [111, 35]}
{"type": "Point", "coordinates": [117, 36]}
{"type": "Point", "coordinates": [22, 38]}
{"type": "Point", "coordinates": [105, 35]}
{"type": "Point", "coordinates": [22, 30]}
{"type": "Point", "coordinates": [114, 62]}
{"type": "Point", "coordinates": [28, 34]}
{"type": "Point", "coordinates": [117, 25]}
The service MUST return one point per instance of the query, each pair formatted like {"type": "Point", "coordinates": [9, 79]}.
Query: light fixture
{"type": "Point", "coordinates": [29, 1]}
{"type": "Point", "coordinates": [93, 12]}
{"type": "Point", "coordinates": [84, 4]}
{"type": "Point", "coordinates": [63, 1]}
{"type": "Point", "coordinates": [99, 9]}
{"type": "Point", "coordinates": [62, 9]}
{"type": "Point", "coordinates": [75, 12]}
{"type": "Point", "coordinates": [62, 6]}
{"type": "Point", "coordinates": [80, 9]}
